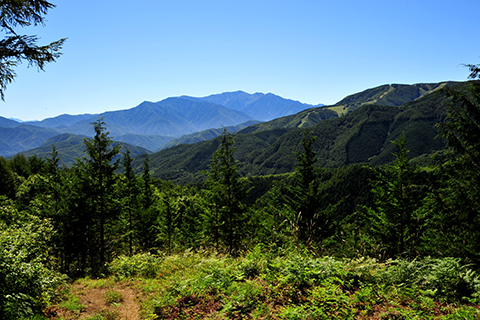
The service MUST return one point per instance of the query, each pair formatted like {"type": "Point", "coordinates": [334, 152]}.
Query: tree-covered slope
{"type": "Point", "coordinates": [387, 95]}
{"type": "Point", "coordinates": [151, 143]}
{"type": "Point", "coordinates": [71, 147]}
{"type": "Point", "coordinates": [185, 163]}
{"type": "Point", "coordinates": [303, 119]}
{"type": "Point", "coordinates": [204, 135]}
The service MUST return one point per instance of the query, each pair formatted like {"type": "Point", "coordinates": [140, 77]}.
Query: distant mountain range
{"type": "Point", "coordinates": [259, 106]}
{"type": "Point", "coordinates": [362, 135]}
{"type": "Point", "coordinates": [153, 125]}
{"type": "Point", "coordinates": [182, 132]}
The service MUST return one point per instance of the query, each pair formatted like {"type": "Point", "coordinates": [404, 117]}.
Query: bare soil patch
{"type": "Point", "coordinates": [95, 303]}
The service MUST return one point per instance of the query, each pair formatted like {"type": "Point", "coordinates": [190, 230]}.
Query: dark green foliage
{"type": "Point", "coordinates": [348, 186]}
{"type": "Point", "coordinates": [71, 147]}
{"type": "Point", "coordinates": [147, 214]}
{"type": "Point", "coordinates": [227, 190]}
{"type": "Point", "coordinates": [457, 201]}
{"type": "Point", "coordinates": [129, 197]}
{"type": "Point", "coordinates": [395, 219]}
{"type": "Point", "coordinates": [27, 281]}
{"type": "Point", "coordinates": [304, 200]}
{"type": "Point", "coordinates": [14, 47]}
{"type": "Point", "coordinates": [20, 165]}
{"type": "Point", "coordinates": [98, 178]}
{"type": "Point", "coordinates": [147, 198]}
{"type": "Point", "coordinates": [7, 178]}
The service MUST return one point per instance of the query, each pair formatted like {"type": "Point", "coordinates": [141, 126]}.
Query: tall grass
{"type": "Point", "coordinates": [262, 285]}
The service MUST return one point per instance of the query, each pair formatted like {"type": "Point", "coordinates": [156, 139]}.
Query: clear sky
{"type": "Point", "coordinates": [120, 53]}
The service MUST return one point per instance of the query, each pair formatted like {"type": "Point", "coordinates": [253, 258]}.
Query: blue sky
{"type": "Point", "coordinates": [120, 53]}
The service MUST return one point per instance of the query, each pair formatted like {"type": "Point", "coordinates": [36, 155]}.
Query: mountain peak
{"type": "Point", "coordinates": [259, 106]}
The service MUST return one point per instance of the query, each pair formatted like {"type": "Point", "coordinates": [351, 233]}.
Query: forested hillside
{"type": "Point", "coordinates": [388, 95]}
{"type": "Point", "coordinates": [71, 147]}
{"type": "Point", "coordinates": [361, 136]}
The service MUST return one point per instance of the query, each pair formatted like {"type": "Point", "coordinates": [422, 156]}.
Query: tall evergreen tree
{"type": "Point", "coordinates": [302, 196]}
{"type": "Point", "coordinates": [227, 190]}
{"type": "Point", "coordinates": [459, 199]}
{"type": "Point", "coordinates": [147, 184]}
{"type": "Point", "coordinates": [129, 196]}
{"type": "Point", "coordinates": [100, 166]}
{"type": "Point", "coordinates": [7, 186]}
{"type": "Point", "coordinates": [395, 221]}
{"type": "Point", "coordinates": [148, 214]}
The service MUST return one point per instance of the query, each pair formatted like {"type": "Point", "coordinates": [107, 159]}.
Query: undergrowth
{"type": "Point", "coordinates": [297, 286]}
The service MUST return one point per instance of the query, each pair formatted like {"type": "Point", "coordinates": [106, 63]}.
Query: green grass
{"type": "Point", "coordinates": [113, 297]}
{"type": "Point", "coordinates": [71, 303]}
{"type": "Point", "coordinates": [292, 286]}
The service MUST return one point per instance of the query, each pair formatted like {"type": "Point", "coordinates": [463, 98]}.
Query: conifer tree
{"type": "Point", "coordinates": [394, 221]}
{"type": "Point", "coordinates": [100, 167]}
{"type": "Point", "coordinates": [147, 216]}
{"type": "Point", "coordinates": [7, 186]}
{"type": "Point", "coordinates": [15, 47]}
{"type": "Point", "coordinates": [227, 190]}
{"type": "Point", "coordinates": [302, 196]}
{"type": "Point", "coordinates": [129, 196]}
{"type": "Point", "coordinates": [459, 198]}
{"type": "Point", "coordinates": [147, 187]}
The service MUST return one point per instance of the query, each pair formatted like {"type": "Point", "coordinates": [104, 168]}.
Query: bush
{"type": "Point", "coordinates": [26, 284]}
{"type": "Point", "coordinates": [143, 265]}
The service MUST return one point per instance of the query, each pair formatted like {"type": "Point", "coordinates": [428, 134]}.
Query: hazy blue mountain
{"type": "Point", "coordinates": [23, 137]}
{"type": "Point", "coordinates": [152, 125]}
{"type": "Point", "coordinates": [171, 117]}
{"type": "Point", "coordinates": [259, 106]}
{"type": "Point", "coordinates": [61, 120]}
{"type": "Point", "coordinates": [17, 120]}
{"type": "Point", "coordinates": [8, 123]}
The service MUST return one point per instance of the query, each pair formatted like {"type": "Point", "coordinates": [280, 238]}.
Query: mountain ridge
{"type": "Point", "coordinates": [123, 124]}
{"type": "Point", "coordinates": [260, 106]}
{"type": "Point", "coordinates": [363, 135]}
{"type": "Point", "coordinates": [150, 125]}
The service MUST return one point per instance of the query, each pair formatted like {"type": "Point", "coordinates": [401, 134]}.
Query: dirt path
{"type": "Point", "coordinates": [95, 302]}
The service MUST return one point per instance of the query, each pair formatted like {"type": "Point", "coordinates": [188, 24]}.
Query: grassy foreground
{"type": "Point", "coordinates": [265, 286]}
